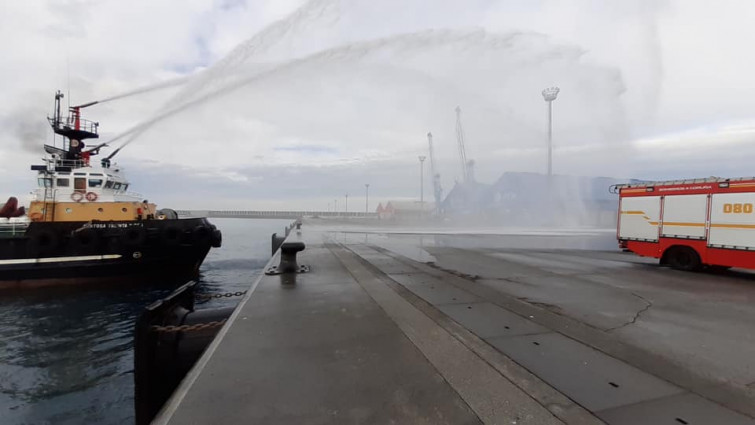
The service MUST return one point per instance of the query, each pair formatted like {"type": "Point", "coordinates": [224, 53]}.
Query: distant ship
{"type": "Point", "coordinates": [83, 224]}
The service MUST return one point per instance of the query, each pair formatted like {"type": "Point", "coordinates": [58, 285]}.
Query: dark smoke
{"type": "Point", "coordinates": [28, 126]}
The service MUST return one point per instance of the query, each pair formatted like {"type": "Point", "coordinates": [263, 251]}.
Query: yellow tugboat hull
{"type": "Point", "coordinates": [88, 211]}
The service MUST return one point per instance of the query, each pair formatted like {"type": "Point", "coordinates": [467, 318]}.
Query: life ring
{"type": "Point", "coordinates": [77, 196]}
{"type": "Point", "coordinates": [91, 196]}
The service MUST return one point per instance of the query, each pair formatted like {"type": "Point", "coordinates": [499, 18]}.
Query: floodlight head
{"type": "Point", "coordinates": [422, 158]}
{"type": "Point", "coordinates": [550, 94]}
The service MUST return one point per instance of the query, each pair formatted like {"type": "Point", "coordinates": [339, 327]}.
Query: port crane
{"type": "Point", "coordinates": [437, 189]}
{"type": "Point", "coordinates": [466, 165]}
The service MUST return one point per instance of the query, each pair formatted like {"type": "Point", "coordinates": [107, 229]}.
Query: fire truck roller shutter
{"type": "Point", "coordinates": [684, 216]}
{"type": "Point", "coordinates": [732, 220]}
{"type": "Point", "coordinates": [639, 217]}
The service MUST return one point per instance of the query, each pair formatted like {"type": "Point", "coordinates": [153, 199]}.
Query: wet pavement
{"type": "Point", "coordinates": [418, 328]}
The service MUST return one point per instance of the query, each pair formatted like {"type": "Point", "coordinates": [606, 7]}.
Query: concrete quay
{"type": "Point", "coordinates": [523, 328]}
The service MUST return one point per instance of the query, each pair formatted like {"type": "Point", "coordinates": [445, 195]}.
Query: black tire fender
{"type": "Point", "coordinates": [84, 238]}
{"type": "Point", "coordinates": [171, 235]}
{"type": "Point", "coordinates": [201, 234]}
{"type": "Point", "coordinates": [43, 241]}
{"type": "Point", "coordinates": [135, 236]}
{"type": "Point", "coordinates": [217, 238]}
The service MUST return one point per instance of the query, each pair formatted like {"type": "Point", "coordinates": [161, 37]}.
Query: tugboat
{"type": "Point", "coordinates": [83, 224]}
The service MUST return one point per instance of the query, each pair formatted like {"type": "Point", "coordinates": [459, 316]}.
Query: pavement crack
{"type": "Point", "coordinates": [637, 315]}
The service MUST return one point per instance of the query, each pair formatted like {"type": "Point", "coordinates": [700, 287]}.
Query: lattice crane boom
{"type": "Point", "coordinates": [462, 149]}
{"type": "Point", "coordinates": [437, 189]}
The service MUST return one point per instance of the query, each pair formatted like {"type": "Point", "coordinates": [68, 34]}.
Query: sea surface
{"type": "Point", "coordinates": [66, 355]}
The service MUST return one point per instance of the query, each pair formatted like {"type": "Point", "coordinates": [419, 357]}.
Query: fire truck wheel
{"type": "Point", "coordinates": [683, 258]}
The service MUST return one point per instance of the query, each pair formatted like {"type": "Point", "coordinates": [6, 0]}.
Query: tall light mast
{"type": "Point", "coordinates": [462, 150]}
{"type": "Point", "coordinates": [437, 189]}
{"type": "Point", "coordinates": [549, 95]}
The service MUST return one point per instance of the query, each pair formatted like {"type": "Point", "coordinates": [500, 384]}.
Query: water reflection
{"type": "Point", "coordinates": [66, 354]}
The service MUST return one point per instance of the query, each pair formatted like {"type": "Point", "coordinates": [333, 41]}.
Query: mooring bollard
{"type": "Point", "coordinates": [288, 262]}
{"type": "Point", "coordinates": [288, 256]}
{"type": "Point", "coordinates": [276, 242]}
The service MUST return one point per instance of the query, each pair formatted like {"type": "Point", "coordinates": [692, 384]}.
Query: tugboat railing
{"type": "Point", "coordinates": [8, 230]}
{"type": "Point", "coordinates": [130, 194]}
{"type": "Point", "coordinates": [70, 123]}
{"type": "Point", "coordinates": [12, 229]}
{"type": "Point", "coordinates": [71, 163]}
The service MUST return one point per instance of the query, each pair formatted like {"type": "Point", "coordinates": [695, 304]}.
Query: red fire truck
{"type": "Point", "coordinates": [689, 224]}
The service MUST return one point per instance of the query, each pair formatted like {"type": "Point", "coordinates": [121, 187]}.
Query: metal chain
{"type": "Point", "coordinates": [189, 328]}
{"type": "Point", "coordinates": [226, 295]}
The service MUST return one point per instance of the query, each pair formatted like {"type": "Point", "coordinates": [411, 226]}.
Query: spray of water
{"type": "Point", "coordinates": [147, 89]}
{"type": "Point", "coordinates": [369, 92]}
{"type": "Point", "coordinates": [219, 73]}
{"type": "Point", "coordinates": [413, 54]}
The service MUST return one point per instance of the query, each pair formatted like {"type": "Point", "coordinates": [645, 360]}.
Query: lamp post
{"type": "Point", "coordinates": [366, 198]}
{"type": "Point", "coordinates": [335, 207]}
{"type": "Point", "coordinates": [549, 95]}
{"type": "Point", "coordinates": [422, 183]}
{"type": "Point", "coordinates": [346, 208]}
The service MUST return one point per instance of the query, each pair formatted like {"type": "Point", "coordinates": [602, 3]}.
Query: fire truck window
{"type": "Point", "coordinates": [62, 182]}
{"type": "Point", "coordinates": [80, 183]}
{"type": "Point", "coordinates": [95, 182]}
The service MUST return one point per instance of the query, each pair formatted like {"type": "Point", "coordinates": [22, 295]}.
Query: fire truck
{"type": "Point", "coordinates": [689, 224]}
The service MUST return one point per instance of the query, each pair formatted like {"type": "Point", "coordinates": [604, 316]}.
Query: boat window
{"type": "Point", "coordinates": [44, 182]}
{"type": "Point", "coordinates": [125, 187]}
{"type": "Point", "coordinates": [79, 174]}
{"type": "Point", "coordinates": [62, 182]}
{"type": "Point", "coordinates": [80, 183]}
{"type": "Point", "coordinates": [95, 174]}
{"type": "Point", "coordinates": [117, 186]}
{"type": "Point", "coordinates": [95, 182]}
{"type": "Point", "coordinates": [108, 184]}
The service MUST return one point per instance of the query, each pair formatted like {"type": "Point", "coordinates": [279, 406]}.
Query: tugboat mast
{"type": "Point", "coordinates": [75, 130]}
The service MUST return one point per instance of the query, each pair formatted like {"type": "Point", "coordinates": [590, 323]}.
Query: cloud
{"type": "Point", "coordinates": [330, 88]}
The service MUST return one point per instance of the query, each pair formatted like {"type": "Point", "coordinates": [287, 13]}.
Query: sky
{"type": "Point", "coordinates": [294, 104]}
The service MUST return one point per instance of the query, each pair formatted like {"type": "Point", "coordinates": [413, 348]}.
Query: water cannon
{"type": "Point", "coordinates": [85, 105]}
{"type": "Point", "coordinates": [95, 150]}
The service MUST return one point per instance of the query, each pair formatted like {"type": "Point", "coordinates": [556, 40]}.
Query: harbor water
{"type": "Point", "coordinates": [66, 354]}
